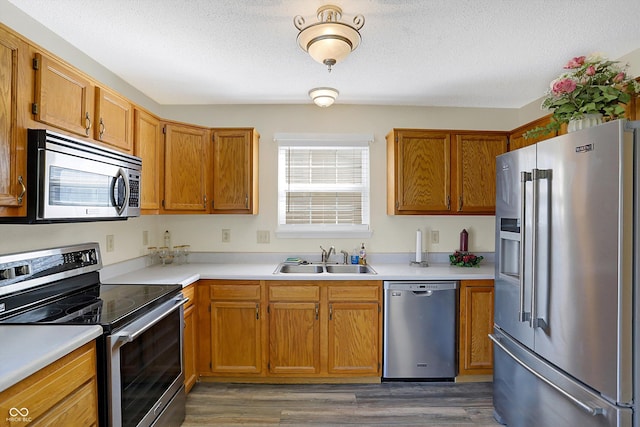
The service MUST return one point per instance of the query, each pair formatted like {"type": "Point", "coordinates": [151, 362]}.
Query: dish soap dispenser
{"type": "Point", "coordinates": [363, 255]}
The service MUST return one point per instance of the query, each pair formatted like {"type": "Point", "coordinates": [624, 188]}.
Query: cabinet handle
{"type": "Point", "coordinates": [246, 201]}
{"type": "Point", "coordinates": [330, 311]}
{"type": "Point", "coordinates": [316, 311]}
{"type": "Point", "coordinates": [448, 203]}
{"type": "Point", "coordinates": [257, 311]}
{"type": "Point", "coordinates": [24, 189]}
{"type": "Point", "coordinates": [204, 201]}
{"type": "Point", "coordinates": [87, 123]}
{"type": "Point", "coordinates": [460, 204]}
{"type": "Point", "coordinates": [102, 129]}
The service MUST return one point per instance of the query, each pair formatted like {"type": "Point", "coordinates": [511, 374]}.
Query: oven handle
{"type": "Point", "coordinates": [125, 336]}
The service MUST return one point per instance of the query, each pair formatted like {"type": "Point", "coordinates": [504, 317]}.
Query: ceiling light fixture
{"type": "Point", "coordinates": [323, 96]}
{"type": "Point", "coordinates": [329, 41]}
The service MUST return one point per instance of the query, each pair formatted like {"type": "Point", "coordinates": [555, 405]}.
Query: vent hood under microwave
{"type": "Point", "coordinates": [70, 180]}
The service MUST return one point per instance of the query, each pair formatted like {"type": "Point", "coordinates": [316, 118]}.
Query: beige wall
{"type": "Point", "coordinates": [203, 232]}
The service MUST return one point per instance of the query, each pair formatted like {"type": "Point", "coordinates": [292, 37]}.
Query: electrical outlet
{"type": "Point", "coordinates": [226, 235]}
{"type": "Point", "coordinates": [435, 236]}
{"type": "Point", "coordinates": [263, 236]}
{"type": "Point", "coordinates": [110, 243]}
{"type": "Point", "coordinates": [145, 238]}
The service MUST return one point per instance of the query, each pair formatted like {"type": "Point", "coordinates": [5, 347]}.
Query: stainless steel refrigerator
{"type": "Point", "coordinates": [566, 332]}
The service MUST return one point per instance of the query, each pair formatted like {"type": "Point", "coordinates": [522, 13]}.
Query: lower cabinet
{"type": "Point", "coordinates": [476, 323]}
{"type": "Point", "coordinates": [190, 347]}
{"type": "Point", "coordinates": [63, 393]}
{"type": "Point", "coordinates": [274, 330]}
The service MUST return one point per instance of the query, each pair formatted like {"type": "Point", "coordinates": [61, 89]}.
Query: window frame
{"type": "Point", "coordinates": [323, 230]}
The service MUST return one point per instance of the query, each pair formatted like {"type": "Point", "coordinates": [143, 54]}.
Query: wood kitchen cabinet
{"type": "Point", "coordinates": [442, 172]}
{"type": "Point", "coordinates": [64, 97]}
{"type": "Point", "coordinates": [475, 171]}
{"type": "Point", "coordinates": [231, 328]}
{"type": "Point", "coordinates": [148, 145]}
{"type": "Point", "coordinates": [13, 142]}
{"type": "Point", "coordinates": [64, 393]}
{"type": "Point", "coordinates": [235, 171]}
{"type": "Point", "coordinates": [517, 139]}
{"type": "Point", "coordinates": [354, 329]}
{"type": "Point", "coordinates": [114, 116]}
{"type": "Point", "coordinates": [294, 328]}
{"type": "Point", "coordinates": [476, 323]}
{"type": "Point", "coordinates": [190, 343]}
{"type": "Point", "coordinates": [186, 168]}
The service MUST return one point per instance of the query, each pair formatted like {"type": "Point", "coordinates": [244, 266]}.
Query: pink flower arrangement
{"type": "Point", "coordinates": [592, 84]}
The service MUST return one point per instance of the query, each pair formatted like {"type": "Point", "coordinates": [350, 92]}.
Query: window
{"type": "Point", "coordinates": [323, 185]}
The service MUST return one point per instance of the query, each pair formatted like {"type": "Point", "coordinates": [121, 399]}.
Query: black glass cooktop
{"type": "Point", "coordinates": [106, 305]}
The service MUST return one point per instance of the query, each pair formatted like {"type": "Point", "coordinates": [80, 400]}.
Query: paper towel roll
{"type": "Point", "coordinates": [418, 246]}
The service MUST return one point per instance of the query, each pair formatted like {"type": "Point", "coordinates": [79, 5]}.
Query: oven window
{"type": "Point", "coordinates": [68, 187]}
{"type": "Point", "coordinates": [148, 366]}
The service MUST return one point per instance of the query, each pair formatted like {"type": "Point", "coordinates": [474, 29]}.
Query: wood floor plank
{"type": "Point", "coordinates": [384, 404]}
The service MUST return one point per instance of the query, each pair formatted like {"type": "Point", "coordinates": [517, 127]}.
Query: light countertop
{"type": "Point", "coordinates": [26, 349]}
{"type": "Point", "coordinates": [186, 274]}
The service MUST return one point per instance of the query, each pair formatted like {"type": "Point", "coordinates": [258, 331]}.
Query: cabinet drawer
{"type": "Point", "coordinates": [236, 291]}
{"type": "Point", "coordinates": [294, 293]}
{"type": "Point", "coordinates": [44, 392]}
{"type": "Point", "coordinates": [354, 293]}
{"type": "Point", "coordinates": [189, 292]}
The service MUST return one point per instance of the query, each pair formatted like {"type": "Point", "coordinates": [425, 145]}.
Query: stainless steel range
{"type": "Point", "coordinates": [140, 375]}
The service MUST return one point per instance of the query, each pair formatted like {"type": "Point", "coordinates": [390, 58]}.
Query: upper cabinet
{"type": "Point", "coordinates": [186, 168]}
{"type": "Point", "coordinates": [13, 164]}
{"type": "Point", "coordinates": [475, 168]}
{"type": "Point", "coordinates": [235, 171]}
{"type": "Point", "coordinates": [63, 97]}
{"type": "Point", "coordinates": [114, 115]}
{"type": "Point", "coordinates": [148, 144]}
{"type": "Point", "coordinates": [442, 172]}
{"type": "Point", "coordinates": [517, 139]}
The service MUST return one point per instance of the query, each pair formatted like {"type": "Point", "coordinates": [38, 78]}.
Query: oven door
{"type": "Point", "coordinates": [145, 368]}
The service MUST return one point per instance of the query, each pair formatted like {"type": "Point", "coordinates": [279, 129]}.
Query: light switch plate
{"type": "Point", "coordinates": [226, 235]}
{"type": "Point", "coordinates": [110, 243]}
{"type": "Point", "coordinates": [263, 236]}
{"type": "Point", "coordinates": [435, 236]}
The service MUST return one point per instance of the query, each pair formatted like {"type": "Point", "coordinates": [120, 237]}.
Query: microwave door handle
{"type": "Point", "coordinates": [121, 175]}
{"type": "Point", "coordinates": [525, 177]}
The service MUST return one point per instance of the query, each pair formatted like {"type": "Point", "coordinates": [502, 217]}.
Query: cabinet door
{"type": "Point", "coordinates": [419, 174]}
{"type": "Point", "coordinates": [294, 338]}
{"type": "Point", "coordinates": [235, 177]}
{"type": "Point", "coordinates": [476, 171]}
{"type": "Point", "coordinates": [148, 146]}
{"type": "Point", "coordinates": [354, 343]}
{"type": "Point", "coordinates": [476, 323]}
{"type": "Point", "coordinates": [189, 353]}
{"type": "Point", "coordinates": [185, 168]}
{"type": "Point", "coordinates": [236, 338]}
{"type": "Point", "coordinates": [114, 115]}
{"type": "Point", "coordinates": [13, 162]}
{"type": "Point", "coordinates": [63, 97]}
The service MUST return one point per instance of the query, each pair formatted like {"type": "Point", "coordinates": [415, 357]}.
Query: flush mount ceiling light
{"type": "Point", "coordinates": [323, 96]}
{"type": "Point", "coordinates": [329, 41]}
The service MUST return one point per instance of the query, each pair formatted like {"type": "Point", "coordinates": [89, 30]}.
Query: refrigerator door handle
{"type": "Point", "coordinates": [523, 316]}
{"type": "Point", "coordinates": [593, 411]}
{"type": "Point", "coordinates": [537, 175]}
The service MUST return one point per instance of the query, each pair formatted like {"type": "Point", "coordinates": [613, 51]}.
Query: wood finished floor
{"type": "Point", "coordinates": [386, 404]}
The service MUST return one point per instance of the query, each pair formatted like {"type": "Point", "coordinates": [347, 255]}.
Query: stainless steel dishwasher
{"type": "Point", "coordinates": [419, 330]}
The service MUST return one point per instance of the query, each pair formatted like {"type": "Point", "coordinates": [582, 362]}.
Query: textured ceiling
{"type": "Point", "coordinates": [473, 53]}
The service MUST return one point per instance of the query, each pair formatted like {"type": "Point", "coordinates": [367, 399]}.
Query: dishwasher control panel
{"type": "Point", "coordinates": [419, 285]}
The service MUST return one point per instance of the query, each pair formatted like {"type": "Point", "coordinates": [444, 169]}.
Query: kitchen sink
{"type": "Point", "coordinates": [349, 269]}
{"type": "Point", "coordinates": [299, 268]}
{"type": "Point", "coordinates": [322, 268]}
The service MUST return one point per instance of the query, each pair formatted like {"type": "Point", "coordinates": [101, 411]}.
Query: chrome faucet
{"type": "Point", "coordinates": [327, 254]}
{"type": "Point", "coordinates": [345, 254]}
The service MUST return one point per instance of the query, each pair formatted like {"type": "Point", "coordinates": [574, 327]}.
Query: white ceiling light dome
{"type": "Point", "coordinates": [323, 96]}
{"type": "Point", "coordinates": [329, 41]}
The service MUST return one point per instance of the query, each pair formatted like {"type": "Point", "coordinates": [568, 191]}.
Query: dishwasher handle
{"type": "Point", "coordinates": [423, 293]}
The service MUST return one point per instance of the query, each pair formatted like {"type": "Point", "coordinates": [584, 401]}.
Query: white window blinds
{"type": "Point", "coordinates": [323, 184]}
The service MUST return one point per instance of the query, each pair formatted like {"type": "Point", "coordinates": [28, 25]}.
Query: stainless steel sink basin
{"type": "Point", "coordinates": [301, 268]}
{"type": "Point", "coordinates": [349, 269]}
{"type": "Point", "coordinates": [321, 268]}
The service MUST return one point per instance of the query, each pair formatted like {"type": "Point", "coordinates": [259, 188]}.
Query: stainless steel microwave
{"type": "Point", "coordinates": [70, 180]}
